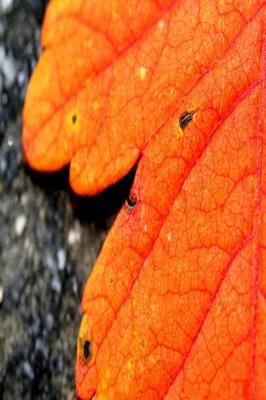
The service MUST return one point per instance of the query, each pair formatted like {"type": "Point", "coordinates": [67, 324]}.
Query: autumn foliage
{"type": "Point", "coordinates": [175, 307]}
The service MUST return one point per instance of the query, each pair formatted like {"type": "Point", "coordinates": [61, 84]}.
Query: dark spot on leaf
{"type": "Point", "coordinates": [74, 118]}
{"type": "Point", "coordinates": [185, 119]}
{"type": "Point", "coordinates": [86, 349]}
{"type": "Point", "coordinates": [131, 201]}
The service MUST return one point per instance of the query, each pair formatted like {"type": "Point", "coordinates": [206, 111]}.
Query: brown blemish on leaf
{"type": "Point", "coordinates": [131, 201]}
{"type": "Point", "coordinates": [185, 119]}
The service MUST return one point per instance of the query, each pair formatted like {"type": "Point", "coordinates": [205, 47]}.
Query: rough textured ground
{"type": "Point", "coordinates": [49, 238]}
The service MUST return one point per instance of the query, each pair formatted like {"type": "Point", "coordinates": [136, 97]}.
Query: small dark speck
{"type": "Point", "coordinates": [86, 349]}
{"type": "Point", "coordinates": [74, 118]}
{"type": "Point", "coordinates": [185, 119]}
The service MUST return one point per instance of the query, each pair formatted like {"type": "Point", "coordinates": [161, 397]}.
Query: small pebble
{"type": "Point", "coordinates": [7, 67]}
{"type": "Point", "coordinates": [73, 236]}
{"type": "Point", "coordinates": [75, 286]}
{"type": "Point", "coordinates": [20, 224]}
{"type": "Point", "coordinates": [3, 165]}
{"type": "Point", "coordinates": [27, 369]}
{"type": "Point", "coordinates": [49, 261]}
{"type": "Point", "coordinates": [61, 258]}
{"type": "Point", "coordinates": [49, 322]}
{"type": "Point", "coordinates": [5, 5]}
{"type": "Point", "coordinates": [10, 142]}
{"type": "Point", "coordinates": [1, 294]}
{"type": "Point", "coordinates": [56, 285]}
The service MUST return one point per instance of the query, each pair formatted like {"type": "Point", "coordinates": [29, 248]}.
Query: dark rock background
{"type": "Point", "coordinates": [49, 238]}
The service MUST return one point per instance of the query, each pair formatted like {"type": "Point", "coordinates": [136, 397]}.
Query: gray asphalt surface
{"type": "Point", "coordinates": [49, 238]}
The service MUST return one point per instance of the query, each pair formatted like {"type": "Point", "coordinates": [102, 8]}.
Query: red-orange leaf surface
{"type": "Point", "coordinates": [175, 307]}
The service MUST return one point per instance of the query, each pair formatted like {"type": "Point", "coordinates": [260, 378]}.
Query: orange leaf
{"type": "Point", "coordinates": [175, 306]}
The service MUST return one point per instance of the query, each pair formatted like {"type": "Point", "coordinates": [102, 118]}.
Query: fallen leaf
{"type": "Point", "coordinates": [175, 306]}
